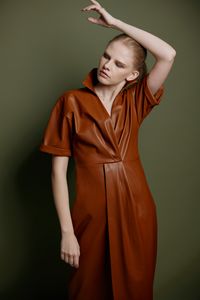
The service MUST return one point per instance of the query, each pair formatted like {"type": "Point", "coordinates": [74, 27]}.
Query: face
{"type": "Point", "coordinates": [117, 63]}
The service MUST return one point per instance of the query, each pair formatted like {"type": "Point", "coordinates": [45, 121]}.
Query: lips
{"type": "Point", "coordinates": [102, 72]}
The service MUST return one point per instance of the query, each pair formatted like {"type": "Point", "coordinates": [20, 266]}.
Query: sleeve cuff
{"type": "Point", "coordinates": [55, 150]}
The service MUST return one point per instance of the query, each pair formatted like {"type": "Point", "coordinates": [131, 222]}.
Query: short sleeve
{"type": "Point", "coordinates": [58, 134]}
{"type": "Point", "coordinates": [143, 98]}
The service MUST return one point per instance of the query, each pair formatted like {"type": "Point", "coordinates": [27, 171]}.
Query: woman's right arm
{"type": "Point", "coordinates": [70, 249]}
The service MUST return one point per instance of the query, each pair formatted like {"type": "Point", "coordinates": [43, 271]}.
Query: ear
{"type": "Point", "coordinates": [133, 76]}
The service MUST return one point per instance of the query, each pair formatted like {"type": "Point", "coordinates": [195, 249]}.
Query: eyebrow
{"type": "Point", "coordinates": [105, 52]}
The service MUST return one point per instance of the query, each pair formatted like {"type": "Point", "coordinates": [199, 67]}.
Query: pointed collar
{"type": "Point", "coordinates": [91, 80]}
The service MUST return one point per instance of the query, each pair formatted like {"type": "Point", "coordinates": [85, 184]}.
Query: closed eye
{"type": "Point", "coordinates": [105, 55]}
{"type": "Point", "coordinates": [117, 63]}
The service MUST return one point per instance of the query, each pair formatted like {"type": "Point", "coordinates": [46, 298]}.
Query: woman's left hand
{"type": "Point", "coordinates": [105, 18]}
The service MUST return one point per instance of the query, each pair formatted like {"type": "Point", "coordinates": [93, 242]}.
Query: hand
{"type": "Point", "coordinates": [70, 250]}
{"type": "Point", "coordinates": [105, 18]}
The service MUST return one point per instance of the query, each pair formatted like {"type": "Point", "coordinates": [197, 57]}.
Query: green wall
{"type": "Point", "coordinates": [48, 47]}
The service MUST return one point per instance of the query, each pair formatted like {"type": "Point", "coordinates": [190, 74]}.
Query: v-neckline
{"type": "Point", "coordinates": [90, 81]}
{"type": "Point", "coordinates": [109, 115]}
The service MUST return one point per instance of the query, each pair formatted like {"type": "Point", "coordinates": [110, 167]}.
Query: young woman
{"type": "Point", "coordinates": [110, 235]}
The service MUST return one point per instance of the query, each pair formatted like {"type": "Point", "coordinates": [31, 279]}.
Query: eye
{"type": "Point", "coordinates": [119, 65]}
{"type": "Point", "coordinates": [105, 55]}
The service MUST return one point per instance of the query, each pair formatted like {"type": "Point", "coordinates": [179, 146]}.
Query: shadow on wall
{"type": "Point", "coordinates": [35, 254]}
{"type": "Point", "coordinates": [183, 284]}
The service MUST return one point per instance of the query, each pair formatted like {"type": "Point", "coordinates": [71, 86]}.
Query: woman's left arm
{"type": "Point", "coordinates": [162, 51]}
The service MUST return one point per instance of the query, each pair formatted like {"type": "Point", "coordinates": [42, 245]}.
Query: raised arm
{"type": "Point", "coordinates": [69, 246]}
{"type": "Point", "coordinates": [162, 51]}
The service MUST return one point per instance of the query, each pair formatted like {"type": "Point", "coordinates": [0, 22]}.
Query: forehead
{"type": "Point", "coordinates": [119, 51]}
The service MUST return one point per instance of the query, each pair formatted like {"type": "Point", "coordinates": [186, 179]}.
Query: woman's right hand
{"type": "Point", "coordinates": [70, 249]}
{"type": "Point", "coordinates": [105, 19]}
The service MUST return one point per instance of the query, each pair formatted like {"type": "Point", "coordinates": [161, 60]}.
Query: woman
{"type": "Point", "coordinates": [110, 235]}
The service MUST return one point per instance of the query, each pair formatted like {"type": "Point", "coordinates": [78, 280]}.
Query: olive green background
{"type": "Point", "coordinates": [48, 47]}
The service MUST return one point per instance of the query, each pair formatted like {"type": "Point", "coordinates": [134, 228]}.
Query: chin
{"type": "Point", "coordinates": [102, 79]}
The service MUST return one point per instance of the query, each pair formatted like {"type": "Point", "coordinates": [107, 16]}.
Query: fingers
{"type": "Point", "coordinates": [93, 20]}
{"type": "Point", "coordinates": [94, 1]}
{"type": "Point", "coordinates": [97, 3]}
{"type": "Point", "coordinates": [72, 259]}
{"type": "Point", "coordinates": [62, 255]}
{"type": "Point", "coordinates": [90, 7]}
{"type": "Point", "coordinates": [96, 6]}
{"type": "Point", "coordinates": [76, 261]}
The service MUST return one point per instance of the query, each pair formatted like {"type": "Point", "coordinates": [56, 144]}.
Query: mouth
{"type": "Point", "coordinates": [104, 74]}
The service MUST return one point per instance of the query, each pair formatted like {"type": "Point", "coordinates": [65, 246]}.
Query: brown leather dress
{"type": "Point", "coordinates": [114, 213]}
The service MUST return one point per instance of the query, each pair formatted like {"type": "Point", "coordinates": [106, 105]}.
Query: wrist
{"type": "Point", "coordinates": [117, 24]}
{"type": "Point", "coordinates": [67, 231]}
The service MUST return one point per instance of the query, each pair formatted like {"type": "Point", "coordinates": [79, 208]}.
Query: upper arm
{"type": "Point", "coordinates": [158, 74]}
{"type": "Point", "coordinates": [60, 163]}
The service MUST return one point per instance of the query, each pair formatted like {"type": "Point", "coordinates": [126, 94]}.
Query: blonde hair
{"type": "Point", "coordinates": [139, 52]}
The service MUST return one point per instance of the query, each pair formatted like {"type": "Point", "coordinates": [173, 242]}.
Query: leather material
{"type": "Point", "coordinates": [114, 213]}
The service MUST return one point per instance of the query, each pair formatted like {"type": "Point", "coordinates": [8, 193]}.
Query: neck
{"type": "Point", "coordinates": [108, 92]}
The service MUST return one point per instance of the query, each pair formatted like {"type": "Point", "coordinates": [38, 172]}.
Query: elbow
{"type": "Point", "coordinates": [171, 55]}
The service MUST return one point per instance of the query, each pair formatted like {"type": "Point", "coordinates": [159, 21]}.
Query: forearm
{"type": "Point", "coordinates": [61, 200]}
{"type": "Point", "coordinates": [158, 48]}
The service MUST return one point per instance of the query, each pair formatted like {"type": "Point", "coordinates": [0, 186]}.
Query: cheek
{"type": "Point", "coordinates": [102, 61]}
{"type": "Point", "coordinates": [119, 75]}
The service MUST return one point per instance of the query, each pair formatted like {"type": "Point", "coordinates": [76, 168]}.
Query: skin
{"type": "Point", "coordinates": [69, 247]}
{"type": "Point", "coordinates": [107, 89]}
{"type": "Point", "coordinates": [117, 62]}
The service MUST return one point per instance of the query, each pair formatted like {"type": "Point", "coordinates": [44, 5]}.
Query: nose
{"type": "Point", "coordinates": [107, 64]}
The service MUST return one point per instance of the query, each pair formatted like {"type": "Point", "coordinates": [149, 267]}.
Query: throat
{"type": "Point", "coordinates": [107, 105]}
